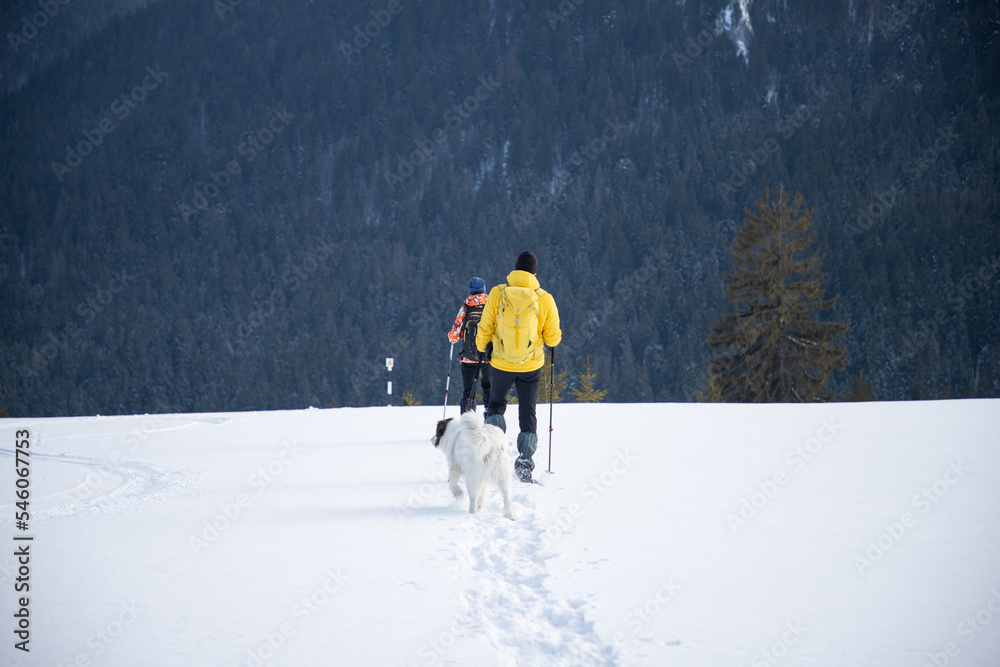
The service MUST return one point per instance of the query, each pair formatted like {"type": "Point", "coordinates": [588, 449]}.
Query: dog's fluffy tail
{"type": "Point", "coordinates": [473, 432]}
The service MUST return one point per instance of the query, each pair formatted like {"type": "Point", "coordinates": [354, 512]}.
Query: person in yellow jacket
{"type": "Point", "coordinates": [518, 321]}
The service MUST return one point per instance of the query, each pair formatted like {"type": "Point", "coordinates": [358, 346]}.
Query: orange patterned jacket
{"type": "Point", "coordinates": [455, 335]}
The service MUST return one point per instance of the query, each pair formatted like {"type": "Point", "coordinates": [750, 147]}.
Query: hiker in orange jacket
{"type": "Point", "coordinates": [465, 330]}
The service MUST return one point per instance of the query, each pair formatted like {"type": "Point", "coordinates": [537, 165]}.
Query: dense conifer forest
{"type": "Point", "coordinates": [237, 204]}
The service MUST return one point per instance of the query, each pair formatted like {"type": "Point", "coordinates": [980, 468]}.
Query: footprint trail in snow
{"type": "Point", "coordinates": [511, 607]}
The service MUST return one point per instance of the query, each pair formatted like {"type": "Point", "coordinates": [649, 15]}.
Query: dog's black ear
{"type": "Point", "coordinates": [442, 425]}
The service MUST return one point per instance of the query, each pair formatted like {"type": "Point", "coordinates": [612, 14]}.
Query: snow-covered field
{"type": "Point", "coordinates": [843, 534]}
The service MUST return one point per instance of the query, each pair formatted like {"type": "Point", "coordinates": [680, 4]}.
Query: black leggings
{"type": "Point", "coordinates": [468, 375]}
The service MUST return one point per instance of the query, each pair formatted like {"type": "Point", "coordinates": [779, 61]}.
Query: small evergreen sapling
{"type": "Point", "coordinates": [588, 393]}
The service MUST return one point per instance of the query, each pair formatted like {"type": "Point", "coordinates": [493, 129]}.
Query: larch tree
{"type": "Point", "coordinates": [773, 348]}
{"type": "Point", "coordinates": [588, 392]}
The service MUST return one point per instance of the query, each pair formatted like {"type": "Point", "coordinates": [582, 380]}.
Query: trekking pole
{"type": "Point", "coordinates": [552, 391]}
{"type": "Point", "coordinates": [447, 383]}
{"type": "Point", "coordinates": [475, 384]}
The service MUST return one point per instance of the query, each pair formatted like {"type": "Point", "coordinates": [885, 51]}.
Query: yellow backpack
{"type": "Point", "coordinates": [516, 333]}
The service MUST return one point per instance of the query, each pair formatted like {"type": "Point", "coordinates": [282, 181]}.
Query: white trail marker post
{"type": "Point", "coordinates": [388, 367]}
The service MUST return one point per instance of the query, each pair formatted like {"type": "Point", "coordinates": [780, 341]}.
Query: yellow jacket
{"type": "Point", "coordinates": [548, 324]}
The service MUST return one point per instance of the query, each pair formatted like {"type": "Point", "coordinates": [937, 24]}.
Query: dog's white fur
{"type": "Point", "coordinates": [479, 452]}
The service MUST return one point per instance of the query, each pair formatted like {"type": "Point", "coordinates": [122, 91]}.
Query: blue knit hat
{"type": "Point", "coordinates": [477, 285]}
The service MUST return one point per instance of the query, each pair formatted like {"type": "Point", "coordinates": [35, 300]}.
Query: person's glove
{"type": "Point", "coordinates": [488, 355]}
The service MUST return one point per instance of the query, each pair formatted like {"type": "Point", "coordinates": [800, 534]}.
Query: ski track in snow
{"type": "Point", "coordinates": [105, 489]}
{"type": "Point", "coordinates": [79, 486]}
{"type": "Point", "coordinates": [524, 621]}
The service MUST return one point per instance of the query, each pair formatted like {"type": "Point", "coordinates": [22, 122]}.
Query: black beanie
{"type": "Point", "coordinates": [526, 261]}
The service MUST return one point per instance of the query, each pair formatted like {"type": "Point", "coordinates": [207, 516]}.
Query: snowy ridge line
{"type": "Point", "coordinates": [525, 622]}
{"type": "Point", "coordinates": [142, 429]}
{"type": "Point", "coordinates": [108, 489]}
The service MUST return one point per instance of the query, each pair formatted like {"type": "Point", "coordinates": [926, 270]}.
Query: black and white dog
{"type": "Point", "coordinates": [479, 452]}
